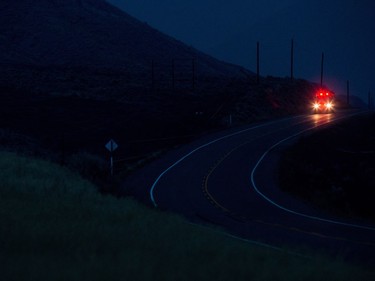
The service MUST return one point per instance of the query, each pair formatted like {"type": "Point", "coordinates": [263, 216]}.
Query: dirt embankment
{"type": "Point", "coordinates": [334, 169]}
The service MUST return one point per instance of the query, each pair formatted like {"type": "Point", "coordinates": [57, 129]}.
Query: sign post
{"type": "Point", "coordinates": [111, 147]}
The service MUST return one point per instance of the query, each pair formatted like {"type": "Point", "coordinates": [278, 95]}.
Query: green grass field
{"type": "Point", "coordinates": [56, 226]}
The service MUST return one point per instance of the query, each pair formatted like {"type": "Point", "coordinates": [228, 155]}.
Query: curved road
{"type": "Point", "coordinates": [229, 179]}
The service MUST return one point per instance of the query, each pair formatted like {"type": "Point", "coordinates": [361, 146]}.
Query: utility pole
{"type": "Point", "coordinates": [347, 92]}
{"type": "Point", "coordinates": [369, 100]}
{"type": "Point", "coordinates": [193, 68]}
{"type": "Point", "coordinates": [292, 61]}
{"type": "Point", "coordinates": [173, 74]}
{"type": "Point", "coordinates": [153, 75]}
{"type": "Point", "coordinates": [321, 70]}
{"type": "Point", "coordinates": [258, 61]}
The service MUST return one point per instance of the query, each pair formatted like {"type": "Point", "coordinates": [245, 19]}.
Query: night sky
{"type": "Point", "coordinates": [229, 30]}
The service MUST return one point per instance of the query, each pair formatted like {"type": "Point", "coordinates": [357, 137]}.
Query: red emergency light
{"type": "Point", "coordinates": [324, 101]}
{"type": "Point", "coordinates": [324, 94]}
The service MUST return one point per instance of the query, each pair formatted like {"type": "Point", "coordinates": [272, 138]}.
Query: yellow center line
{"type": "Point", "coordinates": [221, 160]}
{"type": "Point", "coordinates": [218, 205]}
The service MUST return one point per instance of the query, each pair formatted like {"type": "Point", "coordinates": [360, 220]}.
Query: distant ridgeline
{"type": "Point", "coordinates": [92, 42]}
{"type": "Point", "coordinates": [89, 48]}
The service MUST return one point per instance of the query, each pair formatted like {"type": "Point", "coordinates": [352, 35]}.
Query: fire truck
{"type": "Point", "coordinates": [324, 101]}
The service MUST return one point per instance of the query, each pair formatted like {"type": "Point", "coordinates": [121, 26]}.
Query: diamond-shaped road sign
{"type": "Point", "coordinates": [111, 145]}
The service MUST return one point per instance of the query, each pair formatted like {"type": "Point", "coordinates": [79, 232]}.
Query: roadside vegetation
{"type": "Point", "coordinates": [56, 226]}
{"type": "Point", "coordinates": [334, 168]}
{"type": "Point", "coordinates": [72, 129]}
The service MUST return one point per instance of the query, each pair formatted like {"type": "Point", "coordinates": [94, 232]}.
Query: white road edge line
{"type": "Point", "coordinates": [152, 190]}
{"type": "Point", "coordinates": [289, 210]}
{"type": "Point", "coordinates": [254, 242]}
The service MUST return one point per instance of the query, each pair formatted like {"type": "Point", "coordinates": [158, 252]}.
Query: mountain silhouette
{"type": "Point", "coordinates": [89, 33]}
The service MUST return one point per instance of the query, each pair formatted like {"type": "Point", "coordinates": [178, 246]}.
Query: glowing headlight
{"type": "Point", "coordinates": [329, 105]}
{"type": "Point", "coordinates": [316, 105]}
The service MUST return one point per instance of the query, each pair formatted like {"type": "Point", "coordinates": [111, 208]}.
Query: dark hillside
{"type": "Point", "coordinates": [88, 33]}
{"type": "Point", "coordinates": [75, 73]}
{"type": "Point", "coordinates": [90, 48]}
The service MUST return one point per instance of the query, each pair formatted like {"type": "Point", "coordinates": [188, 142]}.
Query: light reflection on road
{"type": "Point", "coordinates": [321, 119]}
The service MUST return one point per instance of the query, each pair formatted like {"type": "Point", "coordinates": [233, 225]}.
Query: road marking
{"type": "Point", "coordinates": [222, 159]}
{"type": "Point", "coordinates": [152, 190]}
{"type": "Point", "coordinates": [218, 205]}
{"type": "Point", "coordinates": [254, 242]}
{"type": "Point", "coordinates": [289, 210]}
{"type": "Point", "coordinates": [320, 235]}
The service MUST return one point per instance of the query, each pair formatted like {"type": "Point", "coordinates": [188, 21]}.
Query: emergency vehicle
{"type": "Point", "coordinates": [324, 102]}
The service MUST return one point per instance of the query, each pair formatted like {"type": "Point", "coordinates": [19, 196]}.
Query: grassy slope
{"type": "Point", "coordinates": [54, 226]}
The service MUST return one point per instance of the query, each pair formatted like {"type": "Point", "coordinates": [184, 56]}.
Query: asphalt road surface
{"type": "Point", "coordinates": [229, 179]}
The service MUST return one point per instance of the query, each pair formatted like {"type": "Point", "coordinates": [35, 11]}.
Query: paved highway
{"type": "Point", "coordinates": [229, 179]}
